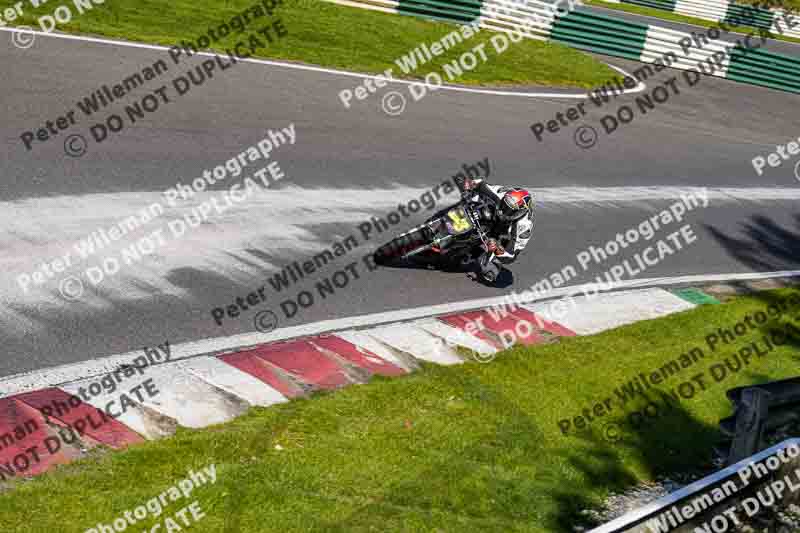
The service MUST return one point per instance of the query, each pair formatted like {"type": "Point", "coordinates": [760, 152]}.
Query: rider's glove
{"type": "Point", "coordinates": [471, 184]}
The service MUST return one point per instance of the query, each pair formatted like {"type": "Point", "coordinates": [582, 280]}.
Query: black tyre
{"type": "Point", "coordinates": [490, 273]}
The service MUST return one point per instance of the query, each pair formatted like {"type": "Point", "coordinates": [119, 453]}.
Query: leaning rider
{"type": "Point", "coordinates": [509, 215]}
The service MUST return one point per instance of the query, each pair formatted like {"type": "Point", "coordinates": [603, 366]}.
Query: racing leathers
{"type": "Point", "coordinates": [511, 236]}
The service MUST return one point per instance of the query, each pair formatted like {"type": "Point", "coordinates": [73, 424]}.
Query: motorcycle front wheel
{"type": "Point", "coordinates": [490, 272]}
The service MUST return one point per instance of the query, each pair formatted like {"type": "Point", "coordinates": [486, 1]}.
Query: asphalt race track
{"type": "Point", "coordinates": [346, 166]}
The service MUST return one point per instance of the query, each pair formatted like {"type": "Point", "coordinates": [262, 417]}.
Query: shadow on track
{"type": "Point", "coordinates": [504, 279]}
{"type": "Point", "coordinates": [765, 245]}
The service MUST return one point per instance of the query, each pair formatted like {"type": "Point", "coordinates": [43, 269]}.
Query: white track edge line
{"type": "Point", "coordinates": [639, 88]}
{"type": "Point", "coordinates": [62, 374]}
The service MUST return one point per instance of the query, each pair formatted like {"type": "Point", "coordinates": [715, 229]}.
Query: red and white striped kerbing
{"type": "Point", "coordinates": [41, 428]}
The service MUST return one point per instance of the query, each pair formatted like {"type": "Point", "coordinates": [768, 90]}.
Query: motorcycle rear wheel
{"type": "Point", "coordinates": [396, 248]}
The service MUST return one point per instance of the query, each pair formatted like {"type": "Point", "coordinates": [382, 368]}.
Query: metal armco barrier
{"type": "Point", "coordinates": [746, 428]}
{"type": "Point", "coordinates": [729, 487]}
{"type": "Point", "coordinates": [605, 35]}
{"type": "Point", "coordinates": [757, 409]}
{"type": "Point", "coordinates": [777, 22]}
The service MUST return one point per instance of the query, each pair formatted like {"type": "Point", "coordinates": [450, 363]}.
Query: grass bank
{"type": "Point", "coordinates": [473, 447]}
{"type": "Point", "coordinates": [333, 36]}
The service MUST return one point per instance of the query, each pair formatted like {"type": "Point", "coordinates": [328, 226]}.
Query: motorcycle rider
{"type": "Point", "coordinates": [507, 213]}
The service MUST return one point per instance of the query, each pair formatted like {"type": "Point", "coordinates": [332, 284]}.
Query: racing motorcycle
{"type": "Point", "coordinates": [452, 238]}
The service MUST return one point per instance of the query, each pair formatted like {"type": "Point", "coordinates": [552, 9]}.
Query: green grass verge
{"type": "Point", "coordinates": [467, 448]}
{"type": "Point", "coordinates": [674, 17]}
{"type": "Point", "coordinates": [335, 36]}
